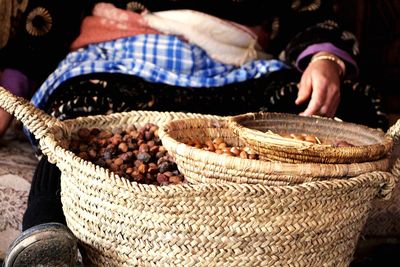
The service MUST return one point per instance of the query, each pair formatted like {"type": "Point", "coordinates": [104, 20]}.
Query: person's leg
{"type": "Point", "coordinates": [45, 240]}
{"type": "Point", "coordinates": [44, 202]}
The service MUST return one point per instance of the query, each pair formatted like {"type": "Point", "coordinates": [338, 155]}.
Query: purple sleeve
{"type": "Point", "coordinates": [305, 56]}
{"type": "Point", "coordinates": [16, 82]}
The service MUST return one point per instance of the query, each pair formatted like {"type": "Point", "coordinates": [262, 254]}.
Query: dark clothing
{"type": "Point", "coordinates": [43, 33]}
{"type": "Point", "coordinates": [44, 202]}
{"type": "Point", "coordinates": [276, 92]}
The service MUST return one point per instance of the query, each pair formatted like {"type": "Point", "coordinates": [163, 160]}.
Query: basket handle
{"type": "Point", "coordinates": [35, 120]}
{"type": "Point", "coordinates": [394, 133]}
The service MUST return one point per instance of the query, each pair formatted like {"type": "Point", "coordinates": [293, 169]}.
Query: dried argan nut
{"type": "Point", "coordinates": [144, 156]}
{"type": "Point", "coordinates": [92, 153]}
{"type": "Point", "coordinates": [142, 168]}
{"type": "Point", "coordinates": [165, 166]}
{"type": "Point", "coordinates": [129, 170]}
{"type": "Point", "coordinates": [133, 146]}
{"type": "Point", "coordinates": [126, 156]}
{"type": "Point", "coordinates": [114, 167]}
{"type": "Point", "coordinates": [218, 140]}
{"type": "Point", "coordinates": [83, 133]}
{"type": "Point", "coordinates": [115, 139]}
{"type": "Point", "coordinates": [94, 131]}
{"type": "Point", "coordinates": [297, 137]}
{"type": "Point", "coordinates": [190, 143]}
{"type": "Point", "coordinates": [175, 179]}
{"type": "Point", "coordinates": [130, 128]}
{"type": "Point", "coordinates": [144, 148]}
{"type": "Point", "coordinates": [235, 151]}
{"type": "Point", "coordinates": [123, 168]}
{"type": "Point", "coordinates": [101, 142]}
{"type": "Point", "coordinates": [137, 163]}
{"type": "Point", "coordinates": [227, 151]}
{"type": "Point", "coordinates": [342, 143]}
{"type": "Point", "coordinates": [83, 155]}
{"type": "Point", "coordinates": [222, 146]}
{"type": "Point", "coordinates": [116, 130]}
{"type": "Point", "coordinates": [310, 138]}
{"type": "Point", "coordinates": [252, 156]}
{"type": "Point", "coordinates": [137, 176]}
{"type": "Point", "coordinates": [104, 135]}
{"type": "Point", "coordinates": [198, 145]}
{"type": "Point", "coordinates": [152, 168]}
{"type": "Point", "coordinates": [151, 143]}
{"type": "Point", "coordinates": [243, 154]}
{"type": "Point", "coordinates": [168, 174]}
{"type": "Point", "coordinates": [118, 161]}
{"type": "Point", "coordinates": [123, 147]}
{"type": "Point", "coordinates": [209, 145]}
{"type": "Point", "coordinates": [154, 149]}
{"type": "Point", "coordinates": [162, 178]}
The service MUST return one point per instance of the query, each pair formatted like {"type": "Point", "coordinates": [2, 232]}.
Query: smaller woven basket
{"type": "Point", "coordinates": [263, 133]}
{"type": "Point", "coordinates": [201, 166]}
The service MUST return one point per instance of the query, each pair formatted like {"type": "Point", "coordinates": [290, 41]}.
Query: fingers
{"type": "Point", "coordinates": [317, 105]}
{"type": "Point", "coordinates": [325, 98]}
{"type": "Point", "coordinates": [320, 85]}
{"type": "Point", "coordinates": [305, 90]}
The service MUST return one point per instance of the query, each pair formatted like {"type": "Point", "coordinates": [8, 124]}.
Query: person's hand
{"type": "Point", "coordinates": [320, 84]}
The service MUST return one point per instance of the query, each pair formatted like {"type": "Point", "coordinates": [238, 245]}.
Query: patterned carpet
{"type": "Point", "coordinates": [17, 164]}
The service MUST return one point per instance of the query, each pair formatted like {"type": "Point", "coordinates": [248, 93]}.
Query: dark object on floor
{"type": "Point", "coordinates": [49, 244]}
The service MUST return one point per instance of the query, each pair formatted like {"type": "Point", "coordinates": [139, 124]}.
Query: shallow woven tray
{"type": "Point", "coordinates": [260, 131]}
{"type": "Point", "coordinates": [201, 166]}
{"type": "Point", "coordinates": [122, 223]}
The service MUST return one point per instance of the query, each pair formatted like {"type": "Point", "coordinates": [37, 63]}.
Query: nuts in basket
{"type": "Point", "coordinates": [135, 154]}
{"type": "Point", "coordinates": [341, 142]}
{"type": "Point", "coordinates": [316, 140]}
{"type": "Point", "coordinates": [219, 146]}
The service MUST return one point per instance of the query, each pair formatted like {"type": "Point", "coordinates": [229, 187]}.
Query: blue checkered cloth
{"type": "Point", "coordinates": [155, 58]}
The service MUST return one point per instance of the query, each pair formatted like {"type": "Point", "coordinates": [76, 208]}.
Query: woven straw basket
{"type": "Point", "coordinates": [261, 131]}
{"type": "Point", "coordinates": [201, 166]}
{"type": "Point", "coordinates": [121, 223]}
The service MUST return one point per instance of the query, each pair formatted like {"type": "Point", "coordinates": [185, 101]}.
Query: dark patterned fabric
{"type": "Point", "coordinates": [43, 32]}
{"type": "Point", "coordinates": [106, 93]}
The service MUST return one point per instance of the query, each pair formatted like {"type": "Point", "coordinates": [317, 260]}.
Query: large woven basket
{"type": "Point", "coordinates": [201, 166]}
{"type": "Point", "coordinates": [121, 223]}
{"type": "Point", "coordinates": [261, 131]}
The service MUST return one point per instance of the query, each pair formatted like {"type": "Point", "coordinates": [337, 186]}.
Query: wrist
{"type": "Point", "coordinates": [331, 57]}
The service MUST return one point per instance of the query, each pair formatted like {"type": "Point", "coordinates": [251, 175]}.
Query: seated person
{"type": "Point", "coordinates": [233, 57]}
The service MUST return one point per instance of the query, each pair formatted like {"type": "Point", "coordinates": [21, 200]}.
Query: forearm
{"type": "Point", "coordinates": [344, 59]}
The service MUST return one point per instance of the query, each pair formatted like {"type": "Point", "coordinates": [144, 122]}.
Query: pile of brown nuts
{"type": "Point", "coordinates": [219, 146]}
{"type": "Point", "coordinates": [136, 154]}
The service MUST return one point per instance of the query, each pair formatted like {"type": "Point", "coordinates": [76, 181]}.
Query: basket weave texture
{"type": "Point", "coordinates": [121, 223]}
{"type": "Point", "coordinates": [200, 166]}
{"type": "Point", "coordinates": [261, 131]}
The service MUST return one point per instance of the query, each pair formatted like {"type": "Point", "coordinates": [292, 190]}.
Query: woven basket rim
{"type": "Point", "coordinates": [259, 140]}
{"type": "Point", "coordinates": [52, 147]}
{"type": "Point", "coordinates": [315, 170]}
